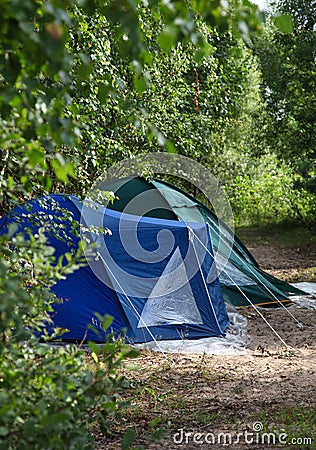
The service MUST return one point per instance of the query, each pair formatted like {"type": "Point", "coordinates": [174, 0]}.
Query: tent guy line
{"type": "Point", "coordinates": [250, 302]}
{"type": "Point", "coordinates": [299, 324]}
{"type": "Point", "coordinates": [133, 308]}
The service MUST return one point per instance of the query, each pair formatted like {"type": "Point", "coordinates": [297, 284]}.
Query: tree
{"type": "Point", "coordinates": [169, 101]}
{"type": "Point", "coordinates": [288, 67]}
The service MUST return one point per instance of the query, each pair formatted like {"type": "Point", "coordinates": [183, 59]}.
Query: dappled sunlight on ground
{"type": "Point", "coordinates": [186, 401]}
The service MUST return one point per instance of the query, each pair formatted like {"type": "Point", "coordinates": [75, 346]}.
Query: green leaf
{"type": "Point", "coordinates": [170, 147]}
{"type": "Point", "coordinates": [284, 23]}
{"type": "Point", "coordinates": [13, 228]}
{"type": "Point", "coordinates": [105, 320]}
{"type": "Point", "coordinates": [94, 347]}
{"type": "Point", "coordinates": [84, 71]}
{"type": "Point", "coordinates": [104, 90]}
{"type": "Point", "coordinates": [3, 431]}
{"type": "Point", "coordinates": [109, 405]}
{"type": "Point", "coordinates": [62, 168]}
{"type": "Point", "coordinates": [167, 37]}
{"type": "Point", "coordinates": [128, 439]}
{"type": "Point", "coordinates": [140, 84]}
{"type": "Point", "coordinates": [155, 422]}
{"type": "Point", "coordinates": [52, 420]}
{"type": "Point", "coordinates": [46, 181]}
{"type": "Point", "coordinates": [36, 156]}
{"type": "Point", "coordinates": [29, 426]}
{"type": "Point", "coordinates": [199, 54]}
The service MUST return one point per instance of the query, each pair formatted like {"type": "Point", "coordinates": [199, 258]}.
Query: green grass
{"type": "Point", "coordinates": [284, 234]}
{"type": "Point", "coordinates": [297, 424]}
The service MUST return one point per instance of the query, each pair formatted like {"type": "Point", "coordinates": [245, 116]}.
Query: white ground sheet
{"type": "Point", "coordinates": [236, 339]}
{"type": "Point", "coordinates": [234, 342]}
{"type": "Point", "coordinates": [308, 301]}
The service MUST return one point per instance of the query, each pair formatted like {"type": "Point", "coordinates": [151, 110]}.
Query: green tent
{"type": "Point", "coordinates": [242, 281]}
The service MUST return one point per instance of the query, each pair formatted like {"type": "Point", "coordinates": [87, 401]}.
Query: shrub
{"type": "Point", "coordinates": [267, 191]}
{"type": "Point", "coordinates": [49, 395]}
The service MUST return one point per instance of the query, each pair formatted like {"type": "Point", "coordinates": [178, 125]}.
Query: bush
{"type": "Point", "coordinates": [268, 192]}
{"type": "Point", "coordinates": [50, 396]}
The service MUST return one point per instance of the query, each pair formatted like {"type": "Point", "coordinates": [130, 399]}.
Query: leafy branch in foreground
{"type": "Point", "coordinates": [51, 398]}
{"type": "Point", "coordinates": [50, 395]}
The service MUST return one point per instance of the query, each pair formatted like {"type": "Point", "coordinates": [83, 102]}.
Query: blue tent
{"type": "Point", "coordinates": [151, 275]}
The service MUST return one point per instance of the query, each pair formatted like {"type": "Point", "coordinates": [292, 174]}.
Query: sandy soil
{"type": "Point", "coordinates": [186, 402]}
{"type": "Point", "coordinates": [287, 262]}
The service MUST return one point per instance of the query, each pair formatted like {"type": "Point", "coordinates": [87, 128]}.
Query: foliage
{"type": "Point", "coordinates": [288, 69]}
{"type": "Point", "coordinates": [98, 92]}
{"type": "Point", "coordinates": [299, 423]}
{"type": "Point", "coordinates": [45, 79]}
{"type": "Point", "coordinates": [171, 102]}
{"type": "Point", "coordinates": [35, 90]}
{"type": "Point", "coordinates": [49, 395]}
{"type": "Point", "coordinates": [267, 192]}
{"type": "Point", "coordinates": [211, 110]}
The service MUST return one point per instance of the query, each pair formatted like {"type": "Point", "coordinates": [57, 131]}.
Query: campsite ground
{"type": "Point", "coordinates": [204, 402]}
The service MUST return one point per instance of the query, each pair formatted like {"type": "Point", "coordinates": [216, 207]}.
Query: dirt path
{"type": "Point", "coordinates": [291, 260]}
{"type": "Point", "coordinates": [262, 400]}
